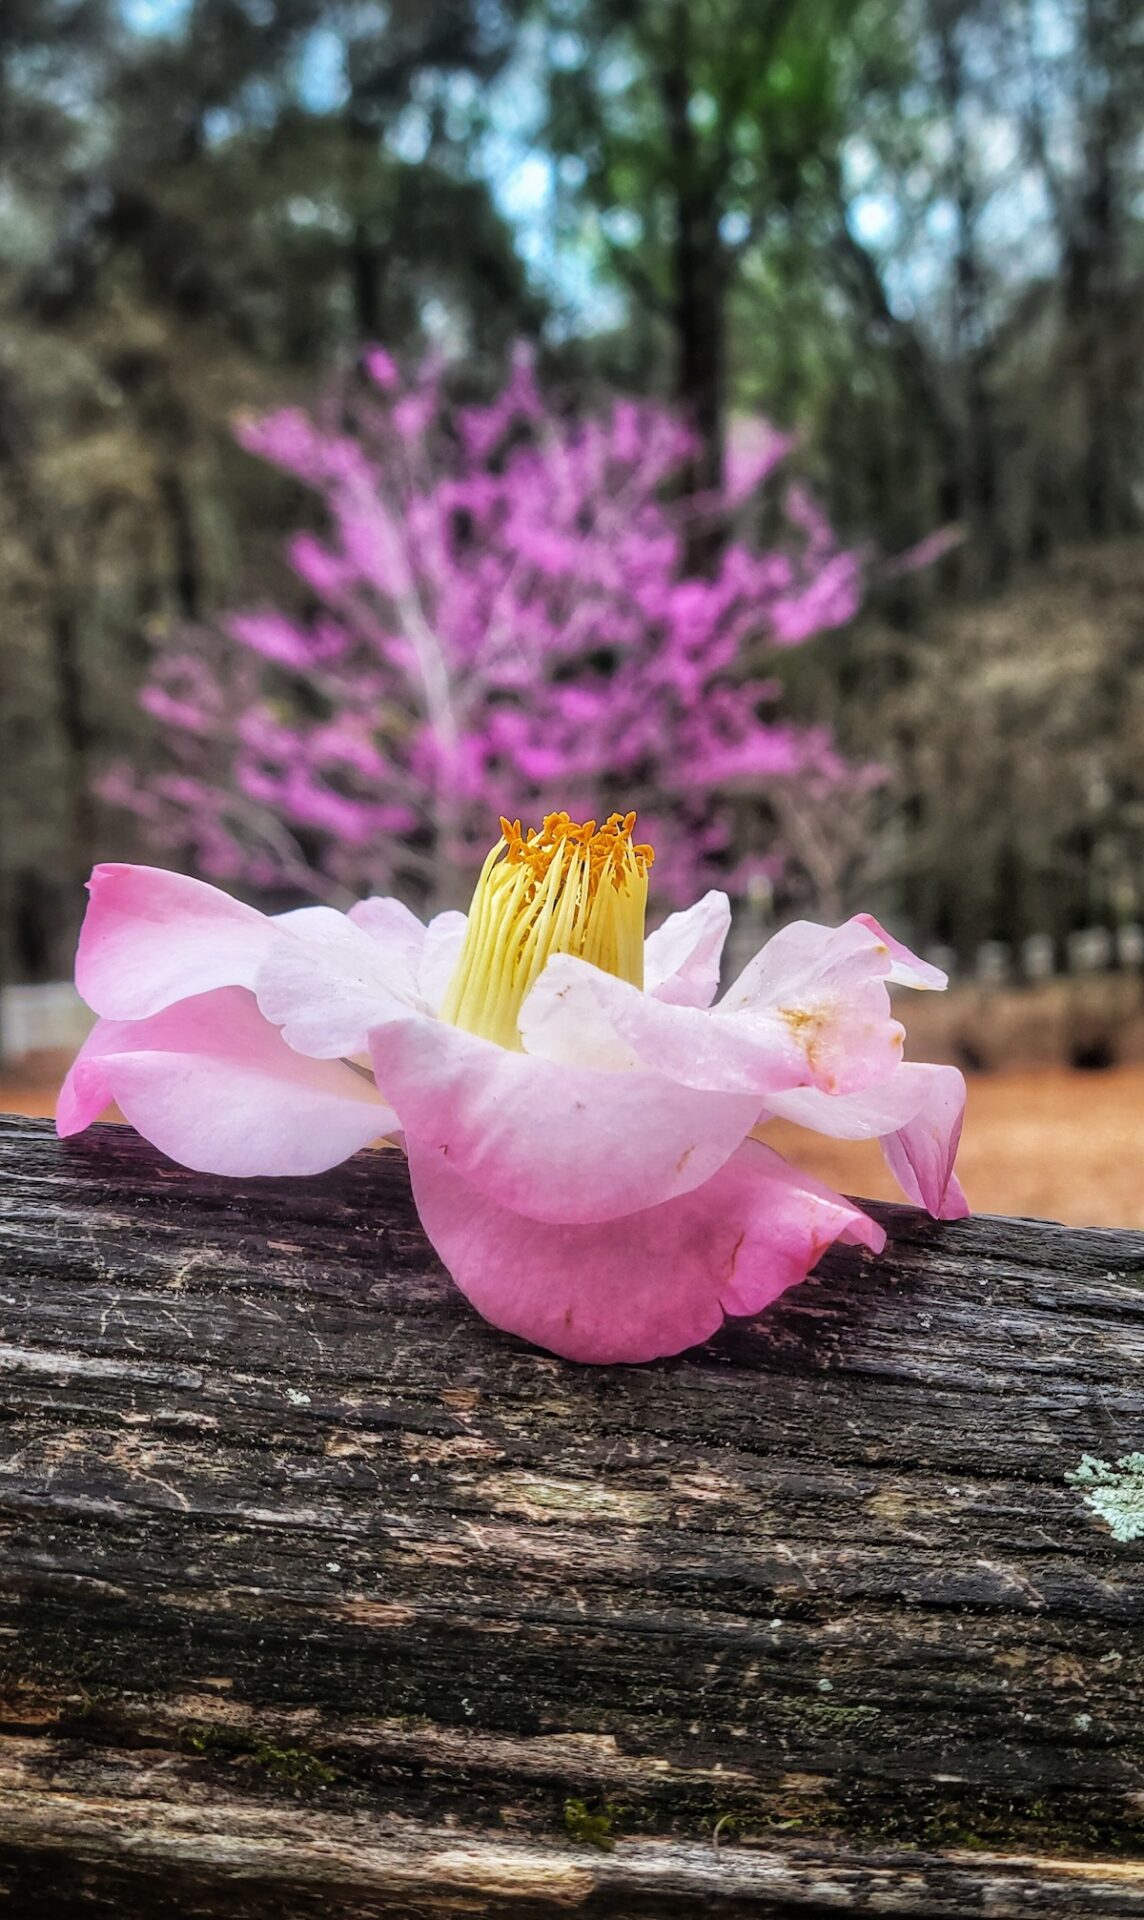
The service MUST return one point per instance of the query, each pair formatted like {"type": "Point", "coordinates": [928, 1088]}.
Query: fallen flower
{"type": "Point", "coordinates": [577, 1114]}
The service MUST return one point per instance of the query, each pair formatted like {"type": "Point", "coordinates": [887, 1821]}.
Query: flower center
{"type": "Point", "coordinates": [560, 888]}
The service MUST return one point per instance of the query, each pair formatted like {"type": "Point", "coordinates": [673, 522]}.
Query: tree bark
{"type": "Point", "coordinates": [919, 376]}
{"type": "Point", "coordinates": [1096, 289]}
{"type": "Point", "coordinates": [63, 620]}
{"type": "Point", "coordinates": [987, 555]}
{"type": "Point", "coordinates": [187, 574]}
{"type": "Point", "coordinates": [699, 277]}
{"type": "Point", "coordinates": [319, 1596]}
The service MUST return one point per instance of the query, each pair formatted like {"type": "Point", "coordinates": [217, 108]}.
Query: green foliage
{"type": "Point", "coordinates": [591, 1826]}
{"type": "Point", "coordinates": [292, 1766]}
{"type": "Point", "coordinates": [706, 131]}
{"type": "Point", "coordinates": [759, 88]}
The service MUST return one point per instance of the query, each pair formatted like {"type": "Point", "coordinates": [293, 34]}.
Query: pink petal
{"type": "Point", "coordinates": [565, 1019]}
{"type": "Point", "coordinates": [821, 1019]}
{"type": "Point", "coordinates": [648, 1285]}
{"type": "Point", "coordinates": [328, 983]}
{"type": "Point", "coordinates": [444, 938]}
{"type": "Point", "coordinates": [920, 1155]}
{"type": "Point", "coordinates": [579, 1016]}
{"type": "Point", "coordinates": [682, 958]}
{"type": "Point", "coordinates": [214, 1086]}
{"type": "Point", "coordinates": [85, 1091]}
{"type": "Point", "coordinates": [567, 1143]}
{"type": "Point", "coordinates": [955, 1205]}
{"type": "Point", "coordinates": [304, 920]}
{"type": "Point", "coordinates": [151, 937]}
{"type": "Point", "coordinates": [868, 1115]}
{"type": "Point", "coordinates": [907, 970]}
{"type": "Point", "coordinates": [398, 934]}
{"type": "Point", "coordinates": [830, 984]}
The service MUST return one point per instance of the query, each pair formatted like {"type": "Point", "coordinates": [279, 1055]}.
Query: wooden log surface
{"type": "Point", "coordinates": [319, 1596]}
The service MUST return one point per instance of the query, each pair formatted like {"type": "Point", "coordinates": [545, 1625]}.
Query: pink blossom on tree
{"type": "Point", "coordinates": [498, 615]}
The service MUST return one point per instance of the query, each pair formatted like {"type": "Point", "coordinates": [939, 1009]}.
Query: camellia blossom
{"type": "Point", "coordinates": [578, 1110]}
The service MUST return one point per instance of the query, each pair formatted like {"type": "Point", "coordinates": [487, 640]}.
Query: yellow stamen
{"type": "Point", "coordinates": [559, 888]}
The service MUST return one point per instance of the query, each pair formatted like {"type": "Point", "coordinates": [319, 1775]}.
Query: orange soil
{"type": "Point", "coordinates": [1046, 1142]}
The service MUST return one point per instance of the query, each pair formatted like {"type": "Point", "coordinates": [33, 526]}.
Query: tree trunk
{"type": "Point", "coordinates": [701, 326]}
{"type": "Point", "coordinates": [699, 273]}
{"type": "Point", "coordinates": [1098, 296]}
{"type": "Point", "coordinates": [319, 1596]}
{"type": "Point", "coordinates": [28, 892]}
{"type": "Point", "coordinates": [187, 577]}
{"type": "Point", "coordinates": [987, 553]}
{"type": "Point", "coordinates": [364, 255]}
{"type": "Point", "coordinates": [920, 381]}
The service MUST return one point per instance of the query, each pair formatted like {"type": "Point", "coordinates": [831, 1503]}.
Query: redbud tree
{"type": "Point", "coordinates": [500, 612]}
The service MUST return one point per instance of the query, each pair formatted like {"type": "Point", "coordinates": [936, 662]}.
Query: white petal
{"type": "Point", "coordinates": [682, 958]}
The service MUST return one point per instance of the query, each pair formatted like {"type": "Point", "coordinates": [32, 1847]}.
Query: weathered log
{"type": "Point", "coordinates": [320, 1596]}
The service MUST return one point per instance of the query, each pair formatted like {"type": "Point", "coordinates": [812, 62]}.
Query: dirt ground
{"type": "Point", "coordinates": [1057, 1144]}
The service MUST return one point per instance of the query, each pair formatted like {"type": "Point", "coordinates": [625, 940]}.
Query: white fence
{"type": "Point", "coordinates": [41, 1020]}
{"type": "Point", "coordinates": [1040, 957]}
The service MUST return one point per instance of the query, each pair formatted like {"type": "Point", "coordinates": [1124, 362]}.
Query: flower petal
{"type": "Point", "coordinates": [328, 983]}
{"type": "Point", "coordinates": [829, 984]}
{"type": "Point", "coordinates": [650, 1284]}
{"type": "Point", "coordinates": [397, 933]}
{"type": "Point", "coordinates": [920, 1155]}
{"type": "Point", "coordinates": [811, 1009]}
{"type": "Point", "coordinates": [444, 938]}
{"type": "Point", "coordinates": [214, 1086]}
{"type": "Point", "coordinates": [565, 1019]}
{"type": "Point", "coordinates": [577, 1015]}
{"type": "Point", "coordinates": [916, 1115]}
{"type": "Point", "coordinates": [151, 937]}
{"type": "Point", "coordinates": [682, 958]}
{"type": "Point", "coordinates": [86, 1091]}
{"type": "Point", "coordinates": [907, 970]}
{"type": "Point", "coordinates": [301, 919]}
{"type": "Point", "coordinates": [556, 1142]}
{"type": "Point", "coordinates": [868, 1115]}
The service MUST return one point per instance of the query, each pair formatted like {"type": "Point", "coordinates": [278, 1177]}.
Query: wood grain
{"type": "Point", "coordinates": [320, 1596]}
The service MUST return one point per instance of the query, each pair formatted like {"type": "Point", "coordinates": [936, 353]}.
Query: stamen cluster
{"type": "Point", "coordinates": [562, 887]}
{"type": "Point", "coordinates": [610, 848]}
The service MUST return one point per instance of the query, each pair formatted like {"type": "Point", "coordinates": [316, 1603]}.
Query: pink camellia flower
{"type": "Point", "coordinates": [577, 1115]}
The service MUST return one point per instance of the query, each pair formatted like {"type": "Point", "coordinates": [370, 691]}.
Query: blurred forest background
{"type": "Point", "coordinates": [910, 231]}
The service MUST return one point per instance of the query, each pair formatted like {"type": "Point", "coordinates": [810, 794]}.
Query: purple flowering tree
{"type": "Point", "coordinates": [498, 616]}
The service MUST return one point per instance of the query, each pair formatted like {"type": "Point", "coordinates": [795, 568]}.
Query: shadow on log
{"type": "Point", "coordinates": [318, 1596]}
